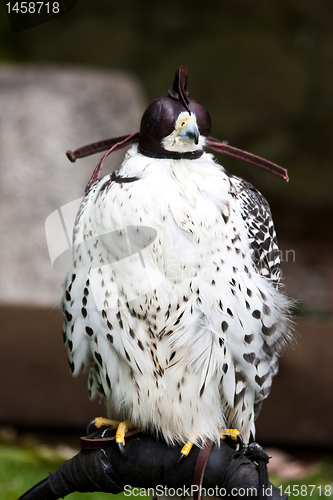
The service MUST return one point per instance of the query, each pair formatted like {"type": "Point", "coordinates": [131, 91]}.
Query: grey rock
{"type": "Point", "coordinates": [44, 111]}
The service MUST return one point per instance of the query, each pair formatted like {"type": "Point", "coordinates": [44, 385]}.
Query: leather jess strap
{"type": "Point", "coordinates": [96, 442]}
{"type": "Point", "coordinates": [200, 468]}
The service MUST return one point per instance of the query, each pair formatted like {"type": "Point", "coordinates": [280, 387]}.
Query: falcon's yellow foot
{"type": "Point", "coordinates": [100, 422]}
{"type": "Point", "coordinates": [234, 434]}
{"type": "Point", "coordinates": [122, 428]}
{"type": "Point", "coordinates": [185, 450]}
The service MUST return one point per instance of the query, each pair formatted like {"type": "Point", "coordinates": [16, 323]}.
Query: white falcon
{"type": "Point", "coordinates": [173, 302]}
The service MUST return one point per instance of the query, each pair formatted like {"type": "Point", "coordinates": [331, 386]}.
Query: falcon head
{"type": "Point", "coordinates": [174, 126]}
{"type": "Point", "coordinates": [185, 136]}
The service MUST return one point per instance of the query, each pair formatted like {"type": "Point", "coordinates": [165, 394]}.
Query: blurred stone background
{"type": "Point", "coordinates": [264, 69]}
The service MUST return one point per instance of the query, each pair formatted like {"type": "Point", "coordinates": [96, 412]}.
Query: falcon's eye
{"type": "Point", "coordinates": [183, 124]}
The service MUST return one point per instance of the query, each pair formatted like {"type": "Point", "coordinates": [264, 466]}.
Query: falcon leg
{"type": "Point", "coordinates": [185, 450]}
{"type": "Point", "coordinates": [234, 434]}
{"type": "Point", "coordinates": [122, 428]}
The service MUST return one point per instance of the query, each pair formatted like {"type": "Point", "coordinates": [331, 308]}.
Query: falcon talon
{"type": "Point", "coordinates": [88, 428]}
{"type": "Point", "coordinates": [105, 432]}
{"type": "Point", "coordinates": [180, 457]}
{"type": "Point", "coordinates": [198, 344]}
{"type": "Point", "coordinates": [121, 448]}
{"type": "Point", "coordinates": [240, 442]}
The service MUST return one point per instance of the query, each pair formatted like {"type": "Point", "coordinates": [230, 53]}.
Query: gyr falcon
{"type": "Point", "coordinates": [173, 302]}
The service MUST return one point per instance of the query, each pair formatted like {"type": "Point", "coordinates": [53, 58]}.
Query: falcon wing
{"type": "Point", "coordinates": [261, 232]}
{"type": "Point", "coordinates": [265, 255]}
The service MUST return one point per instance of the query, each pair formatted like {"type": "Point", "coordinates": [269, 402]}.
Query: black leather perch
{"type": "Point", "coordinates": [148, 464]}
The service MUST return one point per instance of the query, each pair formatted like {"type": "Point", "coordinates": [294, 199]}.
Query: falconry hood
{"type": "Point", "coordinates": [160, 121]}
{"type": "Point", "coordinates": [173, 126]}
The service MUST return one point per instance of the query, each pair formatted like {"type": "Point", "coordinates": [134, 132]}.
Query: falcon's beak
{"type": "Point", "coordinates": [189, 132]}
